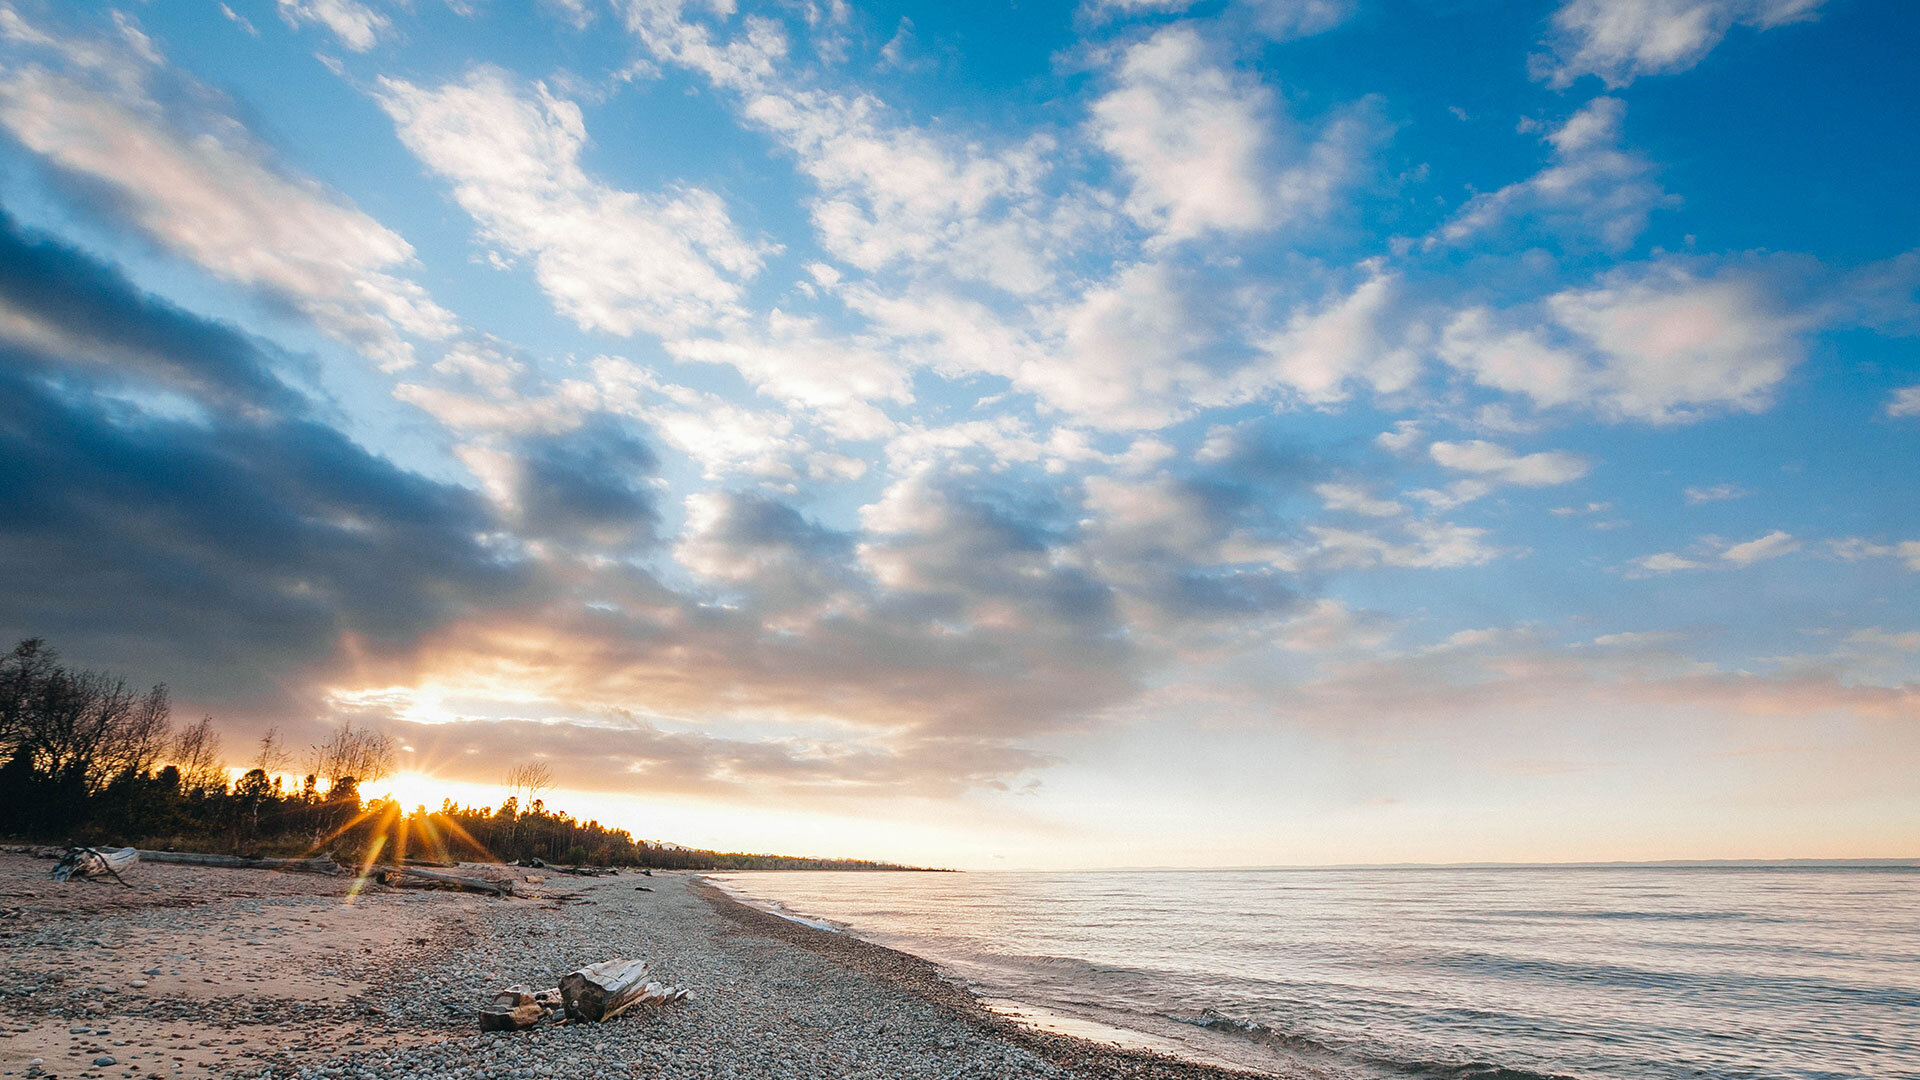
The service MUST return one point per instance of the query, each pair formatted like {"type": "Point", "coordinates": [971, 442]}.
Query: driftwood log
{"type": "Point", "coordinates": [321, 864]}
{"type": "Point", "coordinates": [86, 862]}
{"type": "Point", "coordinates": [517, 1007]}
{"type": "Point", "coordinates": [605, 990]}
{"type": "Point", "coordinates": [405, 876]}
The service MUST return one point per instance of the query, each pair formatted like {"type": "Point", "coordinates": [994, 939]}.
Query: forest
{"type": "Point", "coordinates": [86, 758]}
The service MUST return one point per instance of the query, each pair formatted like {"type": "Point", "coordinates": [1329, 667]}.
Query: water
{"type": "Point", "coordinates": [1645, 973]}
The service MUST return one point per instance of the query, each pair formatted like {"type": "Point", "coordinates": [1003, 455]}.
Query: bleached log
{"type": "Point", "coordinates": [605, 990]}
{"type": "Point", "coordinates": [517, 1007]}
{"type": "Point", "coordinates": [319, 864]}
{"type": "Point", "coordinates": [83, 862]}
{"type": "Point", "coordinates": [399, 875]}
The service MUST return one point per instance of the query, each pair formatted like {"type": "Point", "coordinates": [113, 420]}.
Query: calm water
{"type": "Point", "coordinates": [1644, 973]}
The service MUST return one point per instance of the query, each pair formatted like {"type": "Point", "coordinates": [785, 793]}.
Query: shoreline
{"type": "Point", "coordinates": [923, 978]}
{"type": "Point", "coordinates": [193, 972]}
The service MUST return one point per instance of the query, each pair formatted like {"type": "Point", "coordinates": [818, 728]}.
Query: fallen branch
{"type": "Point", "coordinates": [321, 864]}
{"type": "Point", "coordinates": [86, 862]}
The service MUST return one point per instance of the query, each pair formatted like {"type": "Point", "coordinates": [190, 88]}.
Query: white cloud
{"type": "Point", "coordinates": [357, 26]}
{"type": "Point", "coordinates": [889, 193]}
{"type": "Point", "coordinates": [1329, 625]}
{"type": "Point", "coordinates": [1667, 562]}
{"type": "Point", "coordinates": [1318, 354]}
{"type": "Point", "coordinates": [1458, 493]}
{"type": "Point", "coordinates": [796, 361]}
{"type": "Point", "coordinates": [1592, 186]}
{"type": "Point", "coordinates": [1620, 40]}
{"type": "Point", "coordinates": [210, 193]}
{"type": "Point", "coordinates": [1853, 549]}
{"type": "Point", "coordinates": [608, 259]}
{"type": "Point", "coordinates": [1543, 469]}
{"type": "Point", "coordinates": [1904, 401]}
{"type": "Point", "coordinates": [1197, 139]}
{"type": "Point", "coordinates": [1771, 546]}
{"type": "Point", "coordinates": [1353, 498]}
{"type": "Point", "coordinates": [1760, 549]}
{"type": "Point", "coordinates": [1717, 493]}
{"type": "Point", "coordinates": [1281, 20]}
{"type": "Point", "coordinates": [1429, 545]}
{"type": "Point", "coordinates": [1908, 641]}
{"type": "Point", "coordinates": [1401, 438]}
{"type": "Point", "coordinates": [1655, 343]}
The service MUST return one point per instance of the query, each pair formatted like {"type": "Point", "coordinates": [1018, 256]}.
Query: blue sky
{"type": "Point", "coordinates": [1129, 432]}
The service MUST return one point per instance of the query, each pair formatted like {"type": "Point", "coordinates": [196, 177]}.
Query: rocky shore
{"type": "Point", "coordinates": [197, 972]}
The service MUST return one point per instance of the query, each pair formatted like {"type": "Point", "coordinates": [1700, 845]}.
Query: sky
{"type": "Point", "coordinates": [1108, 433]}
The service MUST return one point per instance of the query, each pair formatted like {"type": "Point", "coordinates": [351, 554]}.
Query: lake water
{"type": "Point", "coordinates": [1644, 973]}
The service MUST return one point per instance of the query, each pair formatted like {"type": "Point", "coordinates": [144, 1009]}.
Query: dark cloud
{"type": "Point", "coordinates": [64, 308]}
{"type": "Point", "coordinates": [219, 550]}
{"type": "Point", "coordinates": [587, 484]}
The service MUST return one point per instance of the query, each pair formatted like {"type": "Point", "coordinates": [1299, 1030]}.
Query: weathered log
{"type": "Point", "coordinates": [605, 990]}
{"type": "Point", "coordinates": [517, 1007]}
{"type": "Point", "coordinates": [86, 862]}
{"type": "Point", "coordinates": [319, 864]}
{"type": "Point", "coordinates": [407, 875]}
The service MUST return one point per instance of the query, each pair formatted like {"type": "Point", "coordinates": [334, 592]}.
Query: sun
{"type": "Point", "coordinates": [410, 790]}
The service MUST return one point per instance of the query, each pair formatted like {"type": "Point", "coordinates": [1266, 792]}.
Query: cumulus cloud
{"type": "Point", "coordinates": [1853, 549]}
{"type": "Point", "coordinates": [1320, 354]}
{"type": "Point", "coordinates": [1355, 499]}
{"type": "Point", "coordinates": [1771, 546]}
{"type": "Point", "coordinates": [229, 547]}
{"type": "Point", "coordinates": [1427, 545]}
{"type": "Point", "coordinates": [1904, 401]}
{"type": "Point", "coordinates": [190, 177]}
{"type": "Point", "coordinates": [1655, 343]}
{"type": "Point", "coordinates": [1197, 139]}
{"type": "Point", "coordinates": [1620, 40]}
{"type": "Point", "coordinates": [357, 26]}
{"type": "Point", "coordinates": [798, 361]}
{"type": "Point", "coordinates": [60, 308]}
{"type": "Point", "coordinates": [1591, 188]}
{"type": "Point", "coordinates": [612, 260]}
{"type": "Point", "coordinates": [1714, 493]}
{"type": "Point", "coordinates": [1714, 552]}
{"type": "Point", "coordinates": [1543, 469]}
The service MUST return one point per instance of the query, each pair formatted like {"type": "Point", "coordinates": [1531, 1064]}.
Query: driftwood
{"type": "Point", "coordinates": [577, 871]}
{"type": "Point", "coordinates": [517, 1007]}
{"type": "Point", "coordinates": [86, 862]}
{"type": "Point", "coordinates": [404, 876]}
{"type": "Point", "coordinates": [321, 864]}
{"type": "Point", "coordinates": [605, 990]}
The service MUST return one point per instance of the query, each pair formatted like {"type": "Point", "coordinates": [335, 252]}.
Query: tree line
{"type": "Point", "coordinates": [87, 758]}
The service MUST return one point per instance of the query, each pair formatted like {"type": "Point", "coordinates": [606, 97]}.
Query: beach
{"type": "Point", "coordinates": [196, 972]}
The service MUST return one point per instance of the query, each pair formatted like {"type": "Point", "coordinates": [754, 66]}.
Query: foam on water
{"type": "Point", "coordinates": [1618, 973]}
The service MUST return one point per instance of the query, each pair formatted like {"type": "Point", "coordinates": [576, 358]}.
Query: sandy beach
{"type": "Point", "coordinates": [207, 972]}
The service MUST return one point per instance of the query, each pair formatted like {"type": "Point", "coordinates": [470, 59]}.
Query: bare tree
{"type": "Point", "coordinates": [23, 674]}
{"type": "Point", "coordinates": [356, 755]}
{"type": "Point", "coordinates": [529, 778]}
{"type": "Point", "coordinates": [272, 758]}
{"type": "Point", "coordinates": [79, 727]}
{"type": "Point", "coordinates": [196, 753]}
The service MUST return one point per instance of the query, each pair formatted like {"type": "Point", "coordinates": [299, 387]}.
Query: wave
{"type": "Point", "coordinates": [1305, 1046]}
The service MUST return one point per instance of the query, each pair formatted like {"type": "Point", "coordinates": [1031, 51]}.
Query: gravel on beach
{"type": "Point", "coordinates": [197, 972]}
